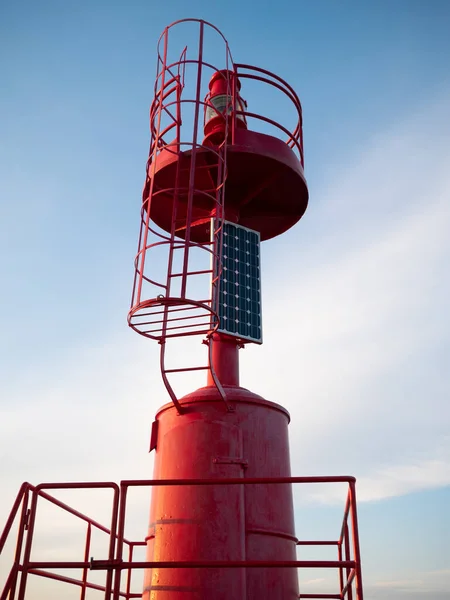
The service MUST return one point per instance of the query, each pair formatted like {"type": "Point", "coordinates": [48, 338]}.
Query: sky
{"type": "Point", "coordinates": [355, 296]}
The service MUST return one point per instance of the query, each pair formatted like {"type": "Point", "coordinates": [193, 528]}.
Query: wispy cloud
{"type": "Point", "coordinates": [356, 327]}
{"type": "Point", "coordinates": [313, 581]}
{"type": "Point", "coordinates": [405, 584]}
{"type": "Point", "coordinates": [424, 584]}
{"type": "Point", "coordinates": [357, 335]}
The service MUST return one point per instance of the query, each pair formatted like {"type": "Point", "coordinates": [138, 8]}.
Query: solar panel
{"type": "Point", "coordinates": [239, 286]}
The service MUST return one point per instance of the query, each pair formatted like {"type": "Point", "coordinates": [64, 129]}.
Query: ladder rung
{"type": "Point", "coordinates": [182, 370]}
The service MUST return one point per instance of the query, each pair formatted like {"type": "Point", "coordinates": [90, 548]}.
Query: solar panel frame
{"type": "Point", "coordinates": [237, 293]}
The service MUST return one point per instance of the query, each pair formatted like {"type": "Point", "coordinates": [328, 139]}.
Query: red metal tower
{"type": "Point", "coordinates": [217, 184]}
{"type": "Point", "coordinates": [209, 201]}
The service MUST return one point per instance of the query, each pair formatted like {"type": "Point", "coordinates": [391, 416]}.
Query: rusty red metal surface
{"type": "Point", "coordinates": [231, 523]}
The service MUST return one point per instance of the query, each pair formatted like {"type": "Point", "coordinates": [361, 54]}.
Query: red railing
{"type": "Point", "coordinates": [348, 563]}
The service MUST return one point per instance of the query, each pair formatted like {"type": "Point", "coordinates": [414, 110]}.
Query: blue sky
{"type": "Point", "coordinates": [356, 325]}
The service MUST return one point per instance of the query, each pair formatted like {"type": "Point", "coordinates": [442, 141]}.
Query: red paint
{"type": "Point", "coordinates": [225, 360]}
{"type": "Point", "coordinates": [223, 99]}
{"type": "Point", "coordinates": [233, 523]}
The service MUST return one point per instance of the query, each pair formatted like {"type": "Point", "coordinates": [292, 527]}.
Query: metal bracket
{"type": "Point", "coordinates": [26, 522]}
{"type": "Point", "coordinates": [154, 435]}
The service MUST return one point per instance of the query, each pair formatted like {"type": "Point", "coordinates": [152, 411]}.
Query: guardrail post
{"type": "Point", "coordinates": [356, 548]}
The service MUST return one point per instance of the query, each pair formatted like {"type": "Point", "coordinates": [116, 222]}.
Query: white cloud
{"type": "Point", "coordinates": [402, 584]}
{"type": "Point", "coordinates": [352, 324]}
{"type": "Point", "coordinates": [423, 584]}
{"type": "Point", "coordinates": [402, 479]}
{"type": "Point", "coordinates": [357, 331]}
{"type": "Point", "coordinates": [357, 336]}
{"type": "Point", "coordinates": [313, 581]}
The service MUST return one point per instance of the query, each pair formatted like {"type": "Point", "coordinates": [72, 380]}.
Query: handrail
{"type": "Point", "coordinates": [348, 562]}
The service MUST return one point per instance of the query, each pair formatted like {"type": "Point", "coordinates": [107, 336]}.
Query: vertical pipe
{"type": "Point", "coordinates": [192, 167]}
{"type": "Point", "coordinates": [136, 298]}
{"type": "Point", "coordinates": [178, 108]}
{"type": "Point", "coordinates": [87, 548]}
{"type": "Point", "coordinates": [233, 107]}
{"type": "Point", "coordinates": [120, 536]}
{"type": "Point", "coordinates": [356, 548]}
{"type": "Point", "coordinates": [112, 541]}
{"type": "Point", "coordinates": [170, 265]}
{"type": "Point", "coordinates": [347, 557]}
{"type": "Point", "coordinates": [27, 551]}
{"type": "Point", "coordinates": [130, 560]}
{"type": "Point", "coordinates": [173, 226]}
{"type": "Point", "coordinates": [341, 571]}
{"type": "Point", "coordinates": [225, 360]}
{"type": "Point", "coordinates": [147, 221]}
{"type": "Point", "coordinates": [22, 526]}
{"type": "Point", "coordinates": [244, 534]}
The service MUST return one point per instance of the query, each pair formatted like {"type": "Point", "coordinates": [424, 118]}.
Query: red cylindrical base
{"type": "Point", "coordinates": [208, 523]}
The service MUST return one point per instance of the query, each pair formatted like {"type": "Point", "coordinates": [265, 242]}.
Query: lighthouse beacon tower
{"type": "Point", "coordinates": [222, 176]}
{"type": "Point", "coordinates": [216, 186]}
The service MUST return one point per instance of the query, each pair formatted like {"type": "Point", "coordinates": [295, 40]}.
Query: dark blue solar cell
{"type": "Point", "coordinates": [239, 288]}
